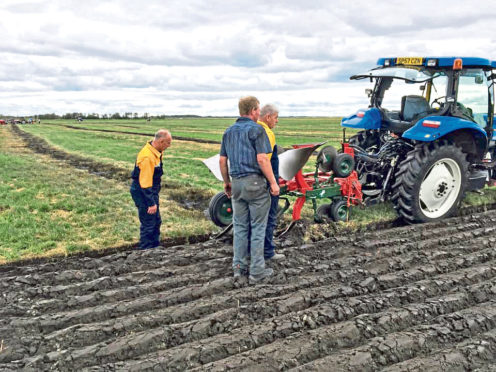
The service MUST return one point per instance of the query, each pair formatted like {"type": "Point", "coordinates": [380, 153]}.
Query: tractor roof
{"type": "Point", "coordinates": [440, 62]}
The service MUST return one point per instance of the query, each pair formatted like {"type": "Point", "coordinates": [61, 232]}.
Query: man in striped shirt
{"type": "Point", "coordinates": [246, 145]}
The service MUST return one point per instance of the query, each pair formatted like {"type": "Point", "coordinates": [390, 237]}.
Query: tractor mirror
{"type": "Point", "coordinates": [422, 87]}
{"type": "Point", "coordinates": [368, 92]}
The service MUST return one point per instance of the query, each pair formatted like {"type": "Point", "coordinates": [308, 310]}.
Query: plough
{"type": "Point", "coordinates": [333, 179]}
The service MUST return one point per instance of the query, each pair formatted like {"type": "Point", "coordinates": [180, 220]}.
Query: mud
{"type": "Point", "coordinates": [407, 298]}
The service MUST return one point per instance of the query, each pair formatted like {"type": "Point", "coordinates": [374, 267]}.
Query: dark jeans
{"type": "Point", "coordinates": [251, 203]}
{"type": "Point", "coordinates": [271, 225]}
{"type": "Point", "coordinates": [149, 223]}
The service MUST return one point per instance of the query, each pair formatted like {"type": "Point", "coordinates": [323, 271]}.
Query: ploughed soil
{"type": "Point", "coordinates": [416, 298]}
{"type": "Point", "coordinates": [389, 298]}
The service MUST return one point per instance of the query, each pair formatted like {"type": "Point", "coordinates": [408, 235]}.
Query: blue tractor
{"type": "Point", "coordinates": [427, 136]}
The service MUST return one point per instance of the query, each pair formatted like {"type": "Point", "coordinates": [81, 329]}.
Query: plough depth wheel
{"type": "Point", "coordinates": [220, 210]}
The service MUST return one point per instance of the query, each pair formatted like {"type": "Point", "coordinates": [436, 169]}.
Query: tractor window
{"type": "Point", "coordinates": [473, 95]}
{"type": "Point", "coordinates": [400, 88]}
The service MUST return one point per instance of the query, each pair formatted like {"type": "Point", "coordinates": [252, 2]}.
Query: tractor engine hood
{"type": "Point", "coordinates": [363, 119]}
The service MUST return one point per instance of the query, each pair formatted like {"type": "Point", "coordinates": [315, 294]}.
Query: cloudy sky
{"type": "Point", "coordinates": [200, 56]}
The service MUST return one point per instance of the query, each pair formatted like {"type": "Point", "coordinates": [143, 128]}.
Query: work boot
{"type": "Point", "coordinates": [257, 279]}
{"type": "Point", "coordinates": [238, 272]}
{"type": "Point", "coordinates": [276, 257]}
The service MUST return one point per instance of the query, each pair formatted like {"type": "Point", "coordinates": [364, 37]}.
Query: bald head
{"type": "Point", "coordinates": [162, 140]}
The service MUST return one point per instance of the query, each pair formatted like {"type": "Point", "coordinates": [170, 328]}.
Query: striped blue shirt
{"type": "Point", "coordinates": [241, 143]}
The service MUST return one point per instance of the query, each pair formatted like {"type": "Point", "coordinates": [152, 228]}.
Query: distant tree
{"type": "Point", "coordinates": [116, 116]}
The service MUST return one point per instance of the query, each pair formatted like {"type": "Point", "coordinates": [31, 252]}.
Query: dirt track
{"type": "Point", "coordinates": [411, 298]}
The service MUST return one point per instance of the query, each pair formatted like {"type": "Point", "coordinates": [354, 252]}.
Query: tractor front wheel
{"type": "Point", "coordinates": [430, 182]}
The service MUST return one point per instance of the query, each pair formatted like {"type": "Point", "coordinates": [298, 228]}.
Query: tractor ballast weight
{"type": "Point", "coordinates": [427, 135]}
{"type": "Point", "coordinates": [343, 191]}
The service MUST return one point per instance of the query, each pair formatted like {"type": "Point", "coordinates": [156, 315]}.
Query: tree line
{"type": "Point", "coordinates": [117, 115]}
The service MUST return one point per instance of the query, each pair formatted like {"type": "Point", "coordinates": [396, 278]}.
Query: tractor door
{"type": "Point", "coordinates": [474, 99]}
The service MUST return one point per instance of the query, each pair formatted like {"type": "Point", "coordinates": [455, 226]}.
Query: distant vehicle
{"type": "Point", "coordinates": [3, 122]}
{"type": "Point", "coordinates": [80, 119]}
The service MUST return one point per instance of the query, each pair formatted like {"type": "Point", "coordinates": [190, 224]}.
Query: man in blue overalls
{"type": "Point", "coordinates": [145, 188]}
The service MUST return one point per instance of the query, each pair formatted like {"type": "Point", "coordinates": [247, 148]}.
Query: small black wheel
{"type": "Point", "coordinates": [325, 158]}
{"type": "Point", "coordinates": [343, 165]}
{"type": "Point", "coordinates": [323, 213]}
{"type": "Point", "coordinates": [220, 210]}
{"type": "Point", "coordinates": [339, 210]}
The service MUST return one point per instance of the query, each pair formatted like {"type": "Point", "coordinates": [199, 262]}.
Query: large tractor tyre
{"type": "Point", "coordinates": [343, 165]}
{"type": "Point", "coordinates": [220, 210]}
{"type": "Point", "coordinates": [325, 158]}
{"type": "Point", "coordinates": [430, 182]}
{"type": "Point", "coordinates": [366, 139]}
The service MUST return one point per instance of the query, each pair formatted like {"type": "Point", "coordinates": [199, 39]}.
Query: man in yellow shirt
{"type": "Point", "coordinates": [145, 188]}
{"type": "Point", "coordinates": [269, 117]}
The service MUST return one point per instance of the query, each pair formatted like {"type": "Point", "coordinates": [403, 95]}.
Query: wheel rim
{"type": "Point", "coordinates": [440, 188]}
{"type": "Point", "coordinates": [345, 166]}
{"type": "Point", "coordinates": [342, 212]}
{"type": "Point", "coordinates": [225, 212]}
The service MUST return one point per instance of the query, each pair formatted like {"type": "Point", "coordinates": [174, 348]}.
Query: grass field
{"type": "Point", "coordinates": [49, 207]}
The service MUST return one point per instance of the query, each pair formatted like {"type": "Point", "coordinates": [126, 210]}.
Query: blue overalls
{"type": "Point", "coordinates": [144, 198]}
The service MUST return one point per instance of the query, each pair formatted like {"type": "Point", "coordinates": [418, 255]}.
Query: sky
{"type": "Point", "coordinates": [198, 57]}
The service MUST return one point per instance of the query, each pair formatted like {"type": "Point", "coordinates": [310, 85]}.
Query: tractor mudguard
{"type": "Point", "coordinates": [431, 128]}
{"type": "Point", "coordinates": [363, 119]}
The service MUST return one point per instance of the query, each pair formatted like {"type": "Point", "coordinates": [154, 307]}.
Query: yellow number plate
{"type": "Point", "coordinates": [409, 61]}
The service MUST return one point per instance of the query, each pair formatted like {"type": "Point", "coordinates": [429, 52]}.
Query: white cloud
{"type": "Point", "coordinates": [198, 57]}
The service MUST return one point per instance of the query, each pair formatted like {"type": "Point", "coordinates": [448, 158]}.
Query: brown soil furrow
{"type": "Point", "coordinates": [339, 313]}
{"type": "Point", "coordinates": [88, 281]}
{"type": "Point", "coordinates": [305, 346]}
{"type": "Point", "coordinates": [478, 354]}
{"type": "Point", "coordinates": [396, 347]}
{"type": "Point", "coordinates": [387, 276]}
{"type": "Point", "coordinates": [239, 320]}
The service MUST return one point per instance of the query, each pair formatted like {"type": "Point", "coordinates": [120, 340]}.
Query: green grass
{"type": "Point", "coordinates": [48, 208]}
{"type": "Point", "coordinates": [182, 161]}
{"type": "Point", "coordinates": [288, 131]}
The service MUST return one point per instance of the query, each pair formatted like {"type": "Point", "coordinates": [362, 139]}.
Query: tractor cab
{"type": "Point", "coordinates": [407, 90]}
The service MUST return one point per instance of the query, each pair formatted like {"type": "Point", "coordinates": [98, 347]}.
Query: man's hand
{"type": "Point", "coordinates": [152, 209]}
{"type": "Point", "coordinates": [227, 189]}
{"type": "Point", "coordinates": [274, 189]}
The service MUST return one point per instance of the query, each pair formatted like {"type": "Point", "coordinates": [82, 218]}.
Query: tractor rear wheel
{"type": "Point", "coordinates": [430, 182]}
{"type": "Point", "coordinates": [220, 210]}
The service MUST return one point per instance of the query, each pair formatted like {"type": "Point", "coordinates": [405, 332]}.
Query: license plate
{"type": "Point", "coordinates": [409, 61]}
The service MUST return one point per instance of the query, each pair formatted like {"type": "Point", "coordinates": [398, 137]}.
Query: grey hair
{"type": "Point", "coordinates": [161, 133]}
{"type": "Point", "coordinates": [268, 109]}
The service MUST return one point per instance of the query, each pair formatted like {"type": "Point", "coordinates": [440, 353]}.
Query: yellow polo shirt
{"type": "Point", "coordinates": [148, 158]}
{"type": "Point", "coordinates": [270, 134]}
